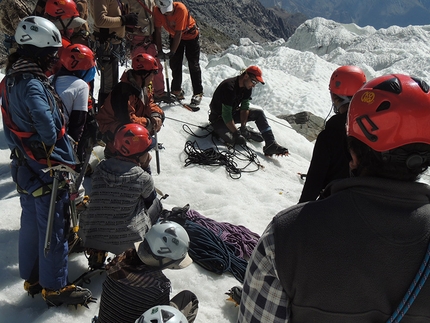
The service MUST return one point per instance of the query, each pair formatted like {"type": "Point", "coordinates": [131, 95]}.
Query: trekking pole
{"type": "Point", "coordinates": [157, 153]}
{"type": "Point", "coordinates": [51, 213]}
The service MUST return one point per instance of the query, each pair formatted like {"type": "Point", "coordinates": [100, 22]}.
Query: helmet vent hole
{"type": "Point", "coordinates": [383, 106]}
{"type": "Point", "coordinates": [391, 85]}
{"type": "Point", "coordinates": [423, 85]}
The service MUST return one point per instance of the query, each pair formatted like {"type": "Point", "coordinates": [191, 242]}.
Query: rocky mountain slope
{"type": "Point", "coordinates": [379, 14]}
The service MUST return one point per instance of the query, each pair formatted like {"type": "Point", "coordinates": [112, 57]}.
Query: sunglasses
{"type": "Point", "coordinates": [254, 81]}
{"type": "Point", "coordinates": [143, 72]}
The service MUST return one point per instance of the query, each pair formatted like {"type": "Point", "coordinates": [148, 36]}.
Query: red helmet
{"type": "Point", "coordinates": [256, 71]}
{"type": "Point", "coordinates": [390, 111]}
{"type": "Point", "coordinates": [144, 62]}
{"type": "Point", "coordinates": [133, 139]}
{"type": "Point", "coordinates": [61, 9]}
{"type": "Point", "coordinates": [346, 80]}
{"type": "Point", "coordinates": [77, 57]}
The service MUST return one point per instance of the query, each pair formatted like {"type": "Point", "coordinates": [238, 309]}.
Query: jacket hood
{"type": "Point", "coordinates": [116, 172]}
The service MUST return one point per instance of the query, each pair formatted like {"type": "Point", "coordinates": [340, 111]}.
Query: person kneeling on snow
{"type": "Point", "coordinates": [123, 201]}
{"type": "Point", "coordinates": [131, 100]}
{"type": "Point", "coordinates": [135, 281]}
{"type": "Point", "coordinates": [230, 105]}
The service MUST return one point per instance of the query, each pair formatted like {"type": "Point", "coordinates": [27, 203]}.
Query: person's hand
{"type": "Point", "coordinates": [238, 139]}
{"type": "Point", "coordinates": [129, 19]}
{"type": "Point", "coordinates": [245, 132]}
{"type": "Point", "coordinates": [163, 55]}
{"type": "Point", "coordinates": [156, 123]}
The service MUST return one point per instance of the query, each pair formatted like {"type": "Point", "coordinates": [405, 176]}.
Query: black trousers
{"type": "Point", "coordinates": [191, 49]}
{"type": "Point", "coordinates": [255, 115]}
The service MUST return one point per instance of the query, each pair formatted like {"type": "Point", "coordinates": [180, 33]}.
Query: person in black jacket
{"type": "Point", "coordinates": [330, 157]}
{"type": "Point", "coordinates": [360, 253]}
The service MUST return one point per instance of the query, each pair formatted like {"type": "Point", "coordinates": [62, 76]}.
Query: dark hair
{"type": "Point", "coordinates": [405, 163]}
{"type": "Point", "coordinates": [12, 59]}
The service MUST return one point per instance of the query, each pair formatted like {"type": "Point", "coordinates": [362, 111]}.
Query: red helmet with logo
{"type": "Point", "coordinates": [346, 80]}
{"type": "Point", "coordinates": [77, 57]}
{"type": "Point", "coordinates": [256, 71]}
{"type": "Point", "coordinates": [144, 62]}
{"type": "Point", "coordinates": [133, 140]}
{"type": "Point", "coordinates": [61, 9]}
{"type": "Point", "coordinates": [390, 111]}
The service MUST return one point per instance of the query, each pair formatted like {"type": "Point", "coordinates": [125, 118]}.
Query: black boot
{"type": "Point", "coordinates": [275, 149]}
{"type": "Point", "coordinates": [69, 295]}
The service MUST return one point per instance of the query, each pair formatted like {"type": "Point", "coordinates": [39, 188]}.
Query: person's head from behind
{"type": "Point", "coordinates": [38, 40]}
{"type": "Point", "coordinates": [145, 67]}
{"type": "Point", "coordinates": [162, 314]}
{"type": "Point", "coordinates": [64, 14]}
{"type": "Point", "coordinates": [388, 128]}
{"type": "Point", "coordinates": [165, 246]}
{"type": "Point", "coordinates": [165, 6]}
{"type": "Point", "coordinates": [79, 60]}
{"type": "Point", "coordinates": [344, 82]}
{"type": "Point", "coordinates": [133, 142]}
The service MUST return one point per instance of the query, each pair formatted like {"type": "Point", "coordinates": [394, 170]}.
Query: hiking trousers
{"type": "Point", "coordinates": [191, 48]}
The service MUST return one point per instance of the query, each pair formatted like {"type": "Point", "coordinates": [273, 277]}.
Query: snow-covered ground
{"type": "Point", "coordinates": [297, 74]}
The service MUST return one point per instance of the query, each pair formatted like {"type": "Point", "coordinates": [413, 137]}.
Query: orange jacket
{"type": "Point", "coordinates": [127, 104]}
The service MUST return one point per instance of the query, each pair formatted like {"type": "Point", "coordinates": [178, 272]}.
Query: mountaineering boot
{"type": "Point", "coordinates": [32, 288]}
{"type": "Point", "coordinates": [69, 295]}
{"type": "Point", "coordinates": [96, 258]}
{"type": "Point", "coordinates": [180, 95]}
{"type": "Point", "coordinates": [196, 99]}
{"type": "Point", "coordinates": [163, 97]}
{"type": "Point", "coordinates": [275, 149]}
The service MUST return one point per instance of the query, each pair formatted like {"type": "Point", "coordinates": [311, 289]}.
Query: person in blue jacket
{"type": "Point", "coordinates": [35, 132]}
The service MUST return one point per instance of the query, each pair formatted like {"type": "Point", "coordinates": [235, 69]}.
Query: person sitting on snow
{"type": "Point", "coordinates": [230, 105]}
{"type": "Point", "coordinates": [131, 100]}
{"type": "Point", "coordinates": [358, 254]}
{"type": "Point", "coordinates": [123, 201]}
{"type": "Point", "coordinates": [135, 280]}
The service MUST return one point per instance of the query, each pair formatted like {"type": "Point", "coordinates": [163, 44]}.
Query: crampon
{"type": "Point", "coordinates": [235, 293]}
{"type": "Point", "coordinates": [69, 295]}
{"type": "Point", "coordinates": [275, 149]}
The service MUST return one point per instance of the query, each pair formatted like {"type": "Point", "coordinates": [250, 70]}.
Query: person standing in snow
{"type": "Point", "coordinates": [123, 203]}
{"type": "Point", "coordinates": [135, 280]}
{"type": "Point", "coordinates": [353, 255]}
{"type": "Point", "coordinates": [110, 20]}
{"type": "Point", "coordinates": [131, 100]}
{"type": "Point", "coordinates": [184, 35]}
{"type": "Point", "coordinates": [71, 82]}
{"type": "Point", "coordinates": [140, 40]}
{"type": "Point", "coordinates": [35, 132]}
{"type": "Point", "coordinates": [330, 158]}
{"type": "Point", "coordinates": [230, 105]}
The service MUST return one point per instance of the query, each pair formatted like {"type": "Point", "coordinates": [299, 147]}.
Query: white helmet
{"type": "Point", "coordinates": [162, 314]}
{"type": "Point", "coordinates": [167, 242]}
{"type": "Point", "coordinates": [39, 32]}
{"type": "Point", "coordinates": [164, 5]}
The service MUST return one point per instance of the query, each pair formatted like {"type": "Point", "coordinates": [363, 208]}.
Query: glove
{"type": "Point", "coordinates": [163, 55]}
{"type": "Point", "coordinates": [129, 19]}
{"type": "Point", "coordinates": [245, 132]}
{"type": "Point", "coordinates": [238, 139]}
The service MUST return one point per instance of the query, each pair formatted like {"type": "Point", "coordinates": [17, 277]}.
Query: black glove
{"type": "Point", "coordinates": [129, 19]}
{"type": "Point", "coordinates": [163, 55]}
{"type": "Point", "coordinates": [238, 139]}
{"type": "Point", "coordinates": [245, 132]}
